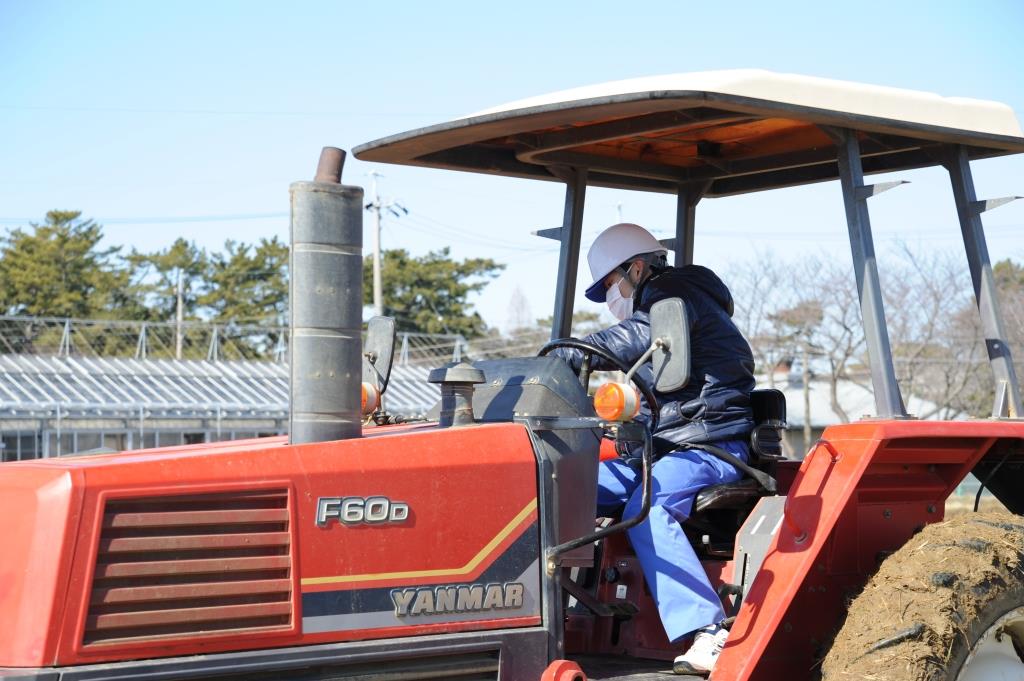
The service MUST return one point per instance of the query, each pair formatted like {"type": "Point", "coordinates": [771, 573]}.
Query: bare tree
{"type": "Point", "coordinates": [801, 323]}
{"type": "Point", "coordinates": [789, 308]}
{"type": "Point", "coordinates": [804, 308]}
{"type": "Point", "coordinates": [759, 291]}
{"type": "Point", "coordinates": [840, 335]}
{"type": "Point", "coordinates": [935, 335]}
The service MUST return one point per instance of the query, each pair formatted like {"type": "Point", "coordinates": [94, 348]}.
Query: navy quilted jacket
{"type": "Point", "coordinates": [715, 404]}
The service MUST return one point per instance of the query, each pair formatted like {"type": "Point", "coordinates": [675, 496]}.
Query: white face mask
{"type": "Point", "coordinates": [620, 307]}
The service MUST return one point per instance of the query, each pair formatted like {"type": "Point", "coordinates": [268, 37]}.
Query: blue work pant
{"type": "Point", "coordinates": [686, 601]}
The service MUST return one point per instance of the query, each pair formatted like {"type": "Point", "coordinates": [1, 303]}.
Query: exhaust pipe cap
{"type": "Point", "coordinates": [457, 381]}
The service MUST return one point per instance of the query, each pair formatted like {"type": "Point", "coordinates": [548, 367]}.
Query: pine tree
{"type": "Point", "coordinates": [248, 284]}
{"type": "Point", "coordinates": [429, 294]}
{"type": "Point", "coordinates": [156, 278]}
{"type": "Point", "coordinates": [58, 269]}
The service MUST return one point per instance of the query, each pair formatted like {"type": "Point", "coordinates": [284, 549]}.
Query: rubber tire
{"type": "Point", "coordinates": [949, 584]}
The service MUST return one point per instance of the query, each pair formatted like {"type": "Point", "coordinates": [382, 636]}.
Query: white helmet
{"type": "Point", "coordinates": [614, 246]}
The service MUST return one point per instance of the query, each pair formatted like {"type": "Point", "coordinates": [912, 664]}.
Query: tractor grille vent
{"type": "Point", "coordinates": [178, 566]}
{"type": "Point", "coordinates": [388, 663]}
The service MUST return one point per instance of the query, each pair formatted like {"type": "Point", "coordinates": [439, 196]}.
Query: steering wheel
{"type": "Point", "coordinates": [590, 351]}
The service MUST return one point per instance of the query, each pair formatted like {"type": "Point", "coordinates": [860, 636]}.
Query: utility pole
{"type": "Point", "coordinates": [378, 294]}
{"type": "Point", "coordinates": [378, 206]}
{"type": "Point", "coordinates": [618, 210]}
{"type": "Point", "coordinates": [180, 318]}
{"type": "Point", "coordinates": [806, 360]}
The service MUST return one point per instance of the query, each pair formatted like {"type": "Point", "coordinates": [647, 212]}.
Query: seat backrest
{"type": "Point", "coordinates": [769, 409]}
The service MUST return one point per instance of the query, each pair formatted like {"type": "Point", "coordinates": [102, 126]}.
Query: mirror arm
{"type": "Point", "coordinates": [381, 383]}
{"type": "Point", "coordinates": [658, 343]}
{"type": "Point", "coordinates": [379, 351]}
{"type": "Point", "coordinates": [585, 370]}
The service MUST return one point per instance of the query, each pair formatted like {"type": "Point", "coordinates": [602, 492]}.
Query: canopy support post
{"type": "Point", "coordinates": [1007, 390]}
{"type": "Point", "coordinates": [687, 198]}
{"type": "Point", "coordinates": [569, 254]}
{"type": "Point", "coordinates": [888, 401]}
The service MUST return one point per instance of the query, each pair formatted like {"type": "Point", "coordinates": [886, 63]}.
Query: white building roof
{"type": "Point", "coordinates": [37, 385]}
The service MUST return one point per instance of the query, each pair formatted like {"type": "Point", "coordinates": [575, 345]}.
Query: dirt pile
{"type": "Point", "coordinates": [917, 618]}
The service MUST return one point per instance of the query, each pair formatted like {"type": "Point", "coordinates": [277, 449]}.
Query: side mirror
{"type": "Point", "coordinates": [379, 351]}
{"type": "Point", "coordinates": [670, 339]}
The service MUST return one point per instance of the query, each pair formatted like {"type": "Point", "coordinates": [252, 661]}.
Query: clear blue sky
{"type": "Point", "coordinates": [191, 118]}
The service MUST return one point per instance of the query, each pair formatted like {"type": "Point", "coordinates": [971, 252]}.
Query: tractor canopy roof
{"type": "Point", "coordinates": [732, 131]}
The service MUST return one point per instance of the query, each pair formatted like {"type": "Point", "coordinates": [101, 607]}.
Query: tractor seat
{"type": "Point", "coordinates": [720, 510]}
{"type": "Point", "coordinates": [769, 412]}
{"type": "Point", "coordinates": [728, 495]}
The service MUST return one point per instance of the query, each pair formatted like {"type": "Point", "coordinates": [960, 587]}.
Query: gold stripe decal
{"type": "Point", "coordinates": [473, 563]}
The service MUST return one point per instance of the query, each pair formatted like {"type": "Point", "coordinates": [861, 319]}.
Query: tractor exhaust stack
{"type": "Point", "coordinates": [326, 302]}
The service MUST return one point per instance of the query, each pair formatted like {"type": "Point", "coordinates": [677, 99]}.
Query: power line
{"type": "Point", "coordinates": [440, 229]}
{"type": "Point", "coordinates": [218, 112]}
{"type": "Point", "coordinates": [158, 220]}
{"type": "Point", "coordinates": [488, 239]}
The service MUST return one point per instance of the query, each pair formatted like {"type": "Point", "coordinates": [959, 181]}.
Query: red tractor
{"type": "Point", "coordinates": [465, 547]}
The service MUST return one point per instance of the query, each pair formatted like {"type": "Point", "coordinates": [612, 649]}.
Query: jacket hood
{"type": "Point", "coordinates": [708, 281]}
{"type": "Point", "coordinates": [701, 278]}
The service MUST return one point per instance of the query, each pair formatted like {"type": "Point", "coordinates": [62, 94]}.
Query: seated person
{"type": "Point", "coordinates": [630, 274]}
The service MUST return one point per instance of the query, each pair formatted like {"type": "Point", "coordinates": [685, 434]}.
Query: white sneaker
{"type": "Point", "coordinates": [700, 659]}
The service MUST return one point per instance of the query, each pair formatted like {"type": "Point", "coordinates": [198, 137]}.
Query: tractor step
{"type": "Point", "coordinates": [615, 668]}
